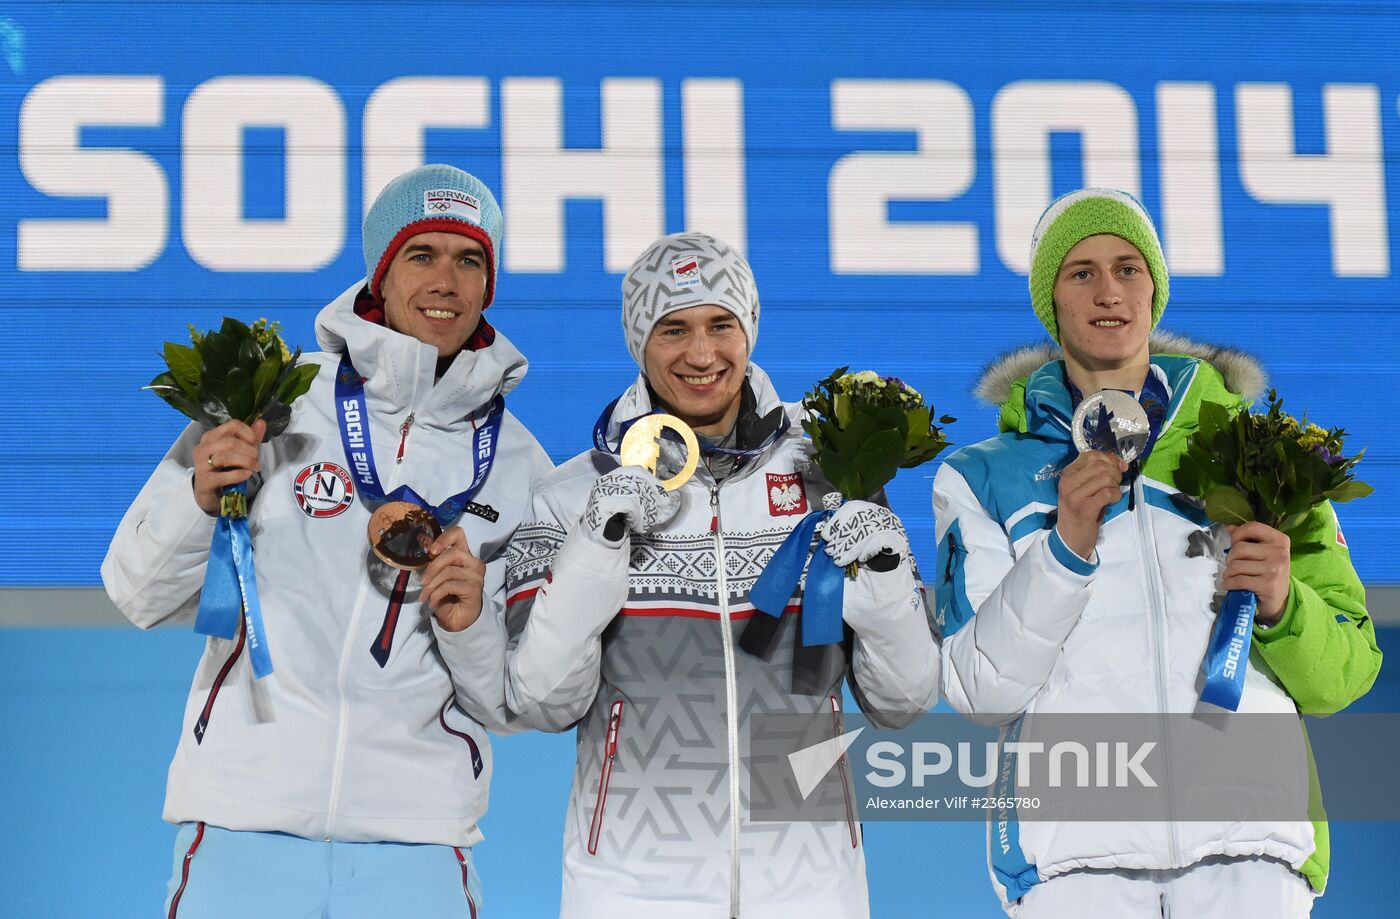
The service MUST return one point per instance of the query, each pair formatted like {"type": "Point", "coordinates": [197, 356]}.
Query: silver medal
{"type": "Point", "coordinates": [1112, 421]}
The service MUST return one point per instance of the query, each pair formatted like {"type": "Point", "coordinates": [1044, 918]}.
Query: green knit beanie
{"type": "Point", "coordinates": [1077, 216]}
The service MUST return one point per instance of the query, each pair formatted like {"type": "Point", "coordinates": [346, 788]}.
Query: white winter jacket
{"type": "Point", "coordinates": [637, 647]}
{"type": "Point", "coordinates": [1031, 629]}
{"type": "Point", "coordinates": [332, 745]}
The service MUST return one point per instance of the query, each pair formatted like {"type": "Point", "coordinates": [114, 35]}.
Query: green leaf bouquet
{"type": "Point", "coordinates": [1266, 466]}
{"type": "Point", "coordinates": [237, 372]}
{"type": "Point", "coordinates": [865, 427]}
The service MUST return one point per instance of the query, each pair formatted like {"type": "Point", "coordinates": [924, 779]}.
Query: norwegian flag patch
{"type": "Point", "coordinates": [786, 494]}
{"type": "Point", "coordinates": [1341, 537]}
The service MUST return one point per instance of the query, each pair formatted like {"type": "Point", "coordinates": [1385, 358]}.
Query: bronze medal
{"type": "Point", "coordinates": [400, 533]}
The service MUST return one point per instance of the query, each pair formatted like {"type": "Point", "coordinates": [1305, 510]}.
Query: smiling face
{"type": "Point", "coordinates": [695, 361]}
{"type": "Point", "coordinates": [1103, 304]}
{"type": "Point", "coordinates": [435, 288]}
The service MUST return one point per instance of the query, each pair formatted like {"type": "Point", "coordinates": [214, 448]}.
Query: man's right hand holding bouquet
{"type": "Point", "coordinates": [238, 381]}
{"type": "Point", "coordinates": [1259, 474]}
{"type": "Point", "coordinates": [225, 455]}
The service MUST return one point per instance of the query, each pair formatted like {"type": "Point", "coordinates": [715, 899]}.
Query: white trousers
{"type": "Point", "coordinates": [1236, 888]}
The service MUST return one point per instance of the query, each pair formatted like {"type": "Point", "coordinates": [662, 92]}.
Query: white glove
{"type": "Point", "coordinates": [860, 530]}
{"type": "Point", "coordinates": [633, 493]}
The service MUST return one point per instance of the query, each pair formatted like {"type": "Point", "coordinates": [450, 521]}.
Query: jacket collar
{"type": "Point", "coordinates": [765, 410]}
{"type": "Point", "coordinates": [399, 369]}
{"type": "Point", "coordinates": [1028, 384]}
{"type": "Point", "coordinates": [761, 414]}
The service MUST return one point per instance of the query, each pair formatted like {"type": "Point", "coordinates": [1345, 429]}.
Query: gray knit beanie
{"type": "Point", "coordinates": [680, 271]}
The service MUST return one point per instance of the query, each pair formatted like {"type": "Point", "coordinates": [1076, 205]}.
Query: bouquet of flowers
{"type": "Point", "coordinates": [238, 372]}
{"type": "Point", "coordinates": [1270, 467]}
{"type": "Point", "coordinates": [1266, 466]}
{"type": "Point", "coordinates": [244, 373]}
{"type": "Point", "coordinates": [865, 427]}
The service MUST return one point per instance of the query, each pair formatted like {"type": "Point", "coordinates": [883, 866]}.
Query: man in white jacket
{"type": "Point", "coordinates": [1077, 583]}
{"type": "Point", "coordinates": [349, 782]}
{"type": "Point", "coordinates": [629, 615]}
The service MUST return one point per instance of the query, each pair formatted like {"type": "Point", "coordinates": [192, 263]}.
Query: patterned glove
{"type": "Point", "coordinates": [860, 530]}
{"type": "Point", "coordinates": [633, 493]}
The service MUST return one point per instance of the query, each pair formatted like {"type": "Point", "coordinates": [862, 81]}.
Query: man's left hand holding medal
{"type": "Point", "coordinates": [453, 581]}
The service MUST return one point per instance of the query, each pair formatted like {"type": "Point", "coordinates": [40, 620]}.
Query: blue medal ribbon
{"type": "Point", "coordinates": [1154, 401]}
{"type": "Point", "coordinates": [600, 435]}
{"type": "Point", "coordinates": [824, 594]}
{"type": "Point", "coordinates": [600, 428]}
{"type": "Point", "coordinates": [353, 416]}
{"type": "Point", "coordinates": [1227, 654]}
{"type": "Point", "coordinates": [230, 590]}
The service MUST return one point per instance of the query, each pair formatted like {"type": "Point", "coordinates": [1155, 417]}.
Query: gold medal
{"type": "Point", "coordinates": [401, 532]}
{"type": "Point", "coordinates": [641, 446]}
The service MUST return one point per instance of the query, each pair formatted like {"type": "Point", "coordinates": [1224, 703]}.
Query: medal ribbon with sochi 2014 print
{"type": "Point", "coordinates": [353, 415]}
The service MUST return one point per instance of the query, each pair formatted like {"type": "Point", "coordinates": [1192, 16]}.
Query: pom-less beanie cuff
{"type": "Point", "coordinates": [1077, 216]}
{"type": "Point", "coordinates": [459, 227]}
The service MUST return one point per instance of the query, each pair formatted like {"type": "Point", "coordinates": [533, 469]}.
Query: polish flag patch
{"type": "Point", "coordinates": [786, 494]}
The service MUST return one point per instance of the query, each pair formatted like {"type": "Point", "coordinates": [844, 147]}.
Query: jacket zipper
{"type": "Point", "coordinates": [473, 750]}
{"type": "Point", "coordinates": [185, 870]}
{"type": "Point", "coordinates": [1152, 578]}
{"type": "Point", "coordinates": [403, 437]}
{"type": "Point", "coordinates": [202, 723]}
{"type": "Point", "coordinates": [595, 831]}
{"type": "Point", "coordinates": [346, 652]}
{"type": "Point", "coordinates": [842, 767]}
{"type": "Point", "coordinates": [731, 704]}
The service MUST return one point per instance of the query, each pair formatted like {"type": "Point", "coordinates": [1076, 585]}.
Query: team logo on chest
{"type": "Point", "coordinates": [786, 495]}
{"type": "Point", "coordinates": [323, 490]}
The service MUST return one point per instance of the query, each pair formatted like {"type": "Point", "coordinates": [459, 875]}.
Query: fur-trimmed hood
{"type": "Point", "coordinates": [1242, 373]}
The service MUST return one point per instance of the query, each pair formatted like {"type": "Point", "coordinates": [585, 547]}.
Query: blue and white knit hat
{"type": "Point", "coordinates": [430, 199]}
{"type": "Point", "coordinates": [680, 271]}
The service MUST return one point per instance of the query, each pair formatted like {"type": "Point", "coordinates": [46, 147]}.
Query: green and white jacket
{"type": "Point", "coordinates": [1031, 628]}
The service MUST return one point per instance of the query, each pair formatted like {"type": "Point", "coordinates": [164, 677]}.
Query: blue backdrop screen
{"type": "Point", "coordinates": [882, 166]}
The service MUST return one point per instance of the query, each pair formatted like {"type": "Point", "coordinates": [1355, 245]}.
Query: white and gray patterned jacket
{"type": "Point", "coordinates": [637, 646]}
